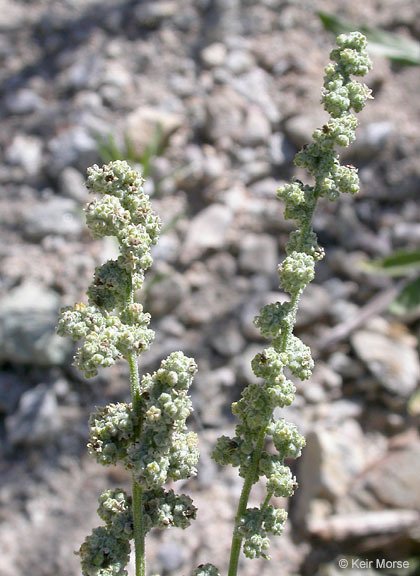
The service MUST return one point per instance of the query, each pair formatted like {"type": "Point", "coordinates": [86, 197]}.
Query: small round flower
{"type": "Point", "coordinates": [110, 286]}
{"type": "Point", "coordinates": [274, 520]}
{"type": "Point", "coordinates": [297, 270]}
{"type": "Point", "coordinates": [299, 359]}
{"type": "Point", "coordinates": [106, 217]}
{"type": "Point", "coordinates": [114, 178]}
{"type": "Point", "coordinates": [307, 243]}
{"type": "Point", "coordinates": [165, 509]}
{"type": "Point", "coordinates": [281, 394]}
{"type": "Point", "coordinates": [115, 509]}
{"type": "Point", "coordinates": [253, 409]}
{"type": "Point", "coordinates": [255, 546]}
{"type": "Point", "coordinates": [104, 554]}
{"type": "Point", "coordinates": [286, 438]}
{"type": "Point", "coordinates": [273, 319]}
{"type": "Point", "coordinates": [112, 430]}
{"type": "Point", "coordinates": [280, 481]}
{"type": "Point", "coordinates": [184, 455]}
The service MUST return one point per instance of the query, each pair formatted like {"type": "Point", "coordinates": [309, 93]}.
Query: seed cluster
{"type": "Point", "coordinates": [287, 352]}
{"type": "Point", "coordinates": [149, 436]}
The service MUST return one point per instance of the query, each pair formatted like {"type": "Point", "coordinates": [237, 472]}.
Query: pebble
{"type": "Point", "coordinates": [372, 138]}
{"type": "Point", "coordinates": [167, 290]}
{"type": "Point", "coordinates": [258, 254]}
{"type": "Point", "coordinates": [213, 55]}
{"type": "Point", "coordinates": [208, 230]}
{"type": "Point", "coordinates": [239, 61]}
{"type": "Point", "coordinates": [72, 185]}
{"type": "Point", "coordinates": [227, 339]}
{"type": "Point", "coordinates": [314, 305]}
{"type": "Point", "coordinates": [257, 128]}
{"type": "Point", "coordinates": [144, 124]}
{"type": "Point", "coordinates": [332, 460]}
{"type": "Point", "coordinates": [24, 101]}
{"type": "Point", "coordinates": [28, 316]}
{"type": "Point", "coordinates": [393, 360]}
{"type": "Point", "coordinates": [393, 479]}
{"type": "Point", "coordinates": [171, 556]}
{"type": "Point", "coordinates": [26, 151]}
{"type": "Point", "coordinates": [151, 14]}
{"type": "Point", "coordinates": [56, 216]}
{"type": "Point", "coordinates": [72, 147]}
{"type": "Point", "coordinates": [281, 151]}
{"type": "Point", "coordinates": [36, 420]}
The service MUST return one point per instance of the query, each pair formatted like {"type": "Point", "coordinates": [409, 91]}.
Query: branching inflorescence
{"type": "Point", "coordinates": [147, 436]}
{"type": "Point", "coordinates": [255, 409]}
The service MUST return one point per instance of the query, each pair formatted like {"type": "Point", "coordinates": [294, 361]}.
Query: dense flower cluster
{"type": "Point", "coordinates": [104, 553]}
{"type": "Point", "coordinates": [112, 430]}
{"type": "Point", "coordinates": [164, 508]}
{"type": "Point", "coordinates": [287, 352]}
{"type": "Point", "coordinates": [165, 449]}
{"type": "Point", "coordinates": [256, 524]}
{"type": "Point", "coordinates": [113, 328]}
{"type": "Point", "coordinates": [147, 436]}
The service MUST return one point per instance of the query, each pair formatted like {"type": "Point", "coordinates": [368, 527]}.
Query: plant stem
{"type": "Point", "coordinates": [251, 474]}
{"type": "Point", "coordinates": [243, 503]}
{"type": "Point", "coordinates": [139, 530]}
{"type": "Point", "coordinates": [138, 524]}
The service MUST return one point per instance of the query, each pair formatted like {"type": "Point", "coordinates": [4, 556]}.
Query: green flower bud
{"type": "Point", "coordinates": [299, 359]}
{"type": "Point", "coordinates": [112, 430]}
{"type": "Point", "coordinates": [115, 509]}
{"type": "Point", "coordinates": [274, 318]}
{"type": "Point", "coordinates": [280, 481]}
{"type": "Point", "coordinates": [104, 554]}
{"type": "Point", "coordinates": [274, 520]}
{"type": "Point", "coordinates": [165, 509]}
{"type": "Point", "coordinates": [297, 270]}
{"type": "Point", "coordinates": [286, 438]}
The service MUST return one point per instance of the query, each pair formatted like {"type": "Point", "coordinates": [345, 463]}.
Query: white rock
{"type": "Point", "coordinates": [258, 254]}
{"type": "Point", "coordinates": [36, 419]}
{"type": "Point", "coordinates": [25, 151]}
{"type": "Point", "coordinates": [392, 360]}
{"type": "Point", "coordinates": [57, 216]}
{"type": "Point", "coordinates": [144, 123]}
{"type": "Point", "coordinates": [331, 460]}
{"type": "Point", "coordinates": [257, 128]}
{"type": "Point", "coordinates": [213, 55]}
{"type": "Point", "coordinates": [207, 231]}
{"type": "Point", "coordinates": [28, 315]}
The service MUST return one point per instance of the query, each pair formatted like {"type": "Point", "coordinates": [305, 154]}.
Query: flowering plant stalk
{"type": "Point", "coordinates": [255, 409]}
{"type": "Point", "coordinates": [147, 436]}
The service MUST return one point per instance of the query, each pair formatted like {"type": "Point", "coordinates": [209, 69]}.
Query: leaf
{"type": "Point", "coordinates": [397, 48]}
{"type": "Point", "coordinates": [408, 299]}
{"type": "Point", "coordinates": [397, 264]}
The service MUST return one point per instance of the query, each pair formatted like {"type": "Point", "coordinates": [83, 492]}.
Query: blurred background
{"type": "Point", "coordinates": [212, 98]}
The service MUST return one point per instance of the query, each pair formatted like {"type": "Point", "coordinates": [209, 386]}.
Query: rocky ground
{"type": "Point", "coordinates": [235, 87]}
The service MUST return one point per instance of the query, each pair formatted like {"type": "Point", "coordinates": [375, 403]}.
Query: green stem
{"type": "Point", "coordinates": [243, 503]}
{"type": "Point", "coordinates": [139, 528]}
{"type": "Point", "coordinates": [252, 471]}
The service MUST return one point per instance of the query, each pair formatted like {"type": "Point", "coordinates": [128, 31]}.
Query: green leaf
{"type": "Point", "coordinates": [397, 48]}
{"type": "Point", "coordinates": [397, 264]}
{"type": "Point", "coordinates": [408, 299]}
